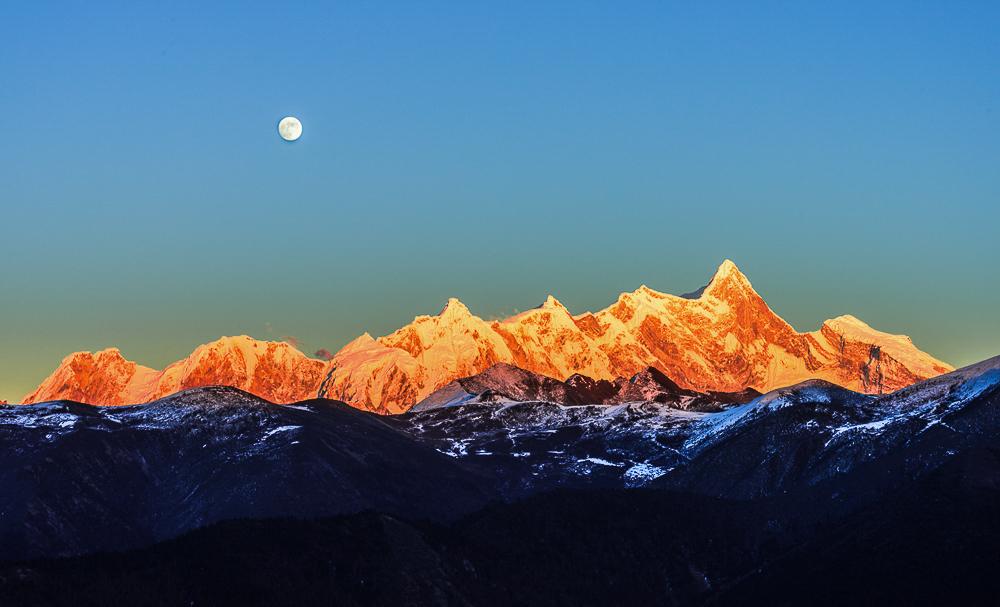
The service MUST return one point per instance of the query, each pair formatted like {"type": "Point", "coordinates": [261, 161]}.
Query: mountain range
{"type": "Point", "coordinates": [76, 472]}
{"type": "Point", "coordinates": [721, 338]}
{"type": "Point", "coordinates": [498, 492]}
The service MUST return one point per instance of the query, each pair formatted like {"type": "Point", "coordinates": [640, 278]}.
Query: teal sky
{"type": "Point", "coordinates": [846, 157]}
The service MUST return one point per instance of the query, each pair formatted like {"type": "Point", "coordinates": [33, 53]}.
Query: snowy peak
{"type": "Point", "coordinates": [644, 292]}
{"type": "Point", "coordinates": [551, 303]}
{"type": "Point", "coordinates": [728, 269]}
{"type": "Point", "coordinates": [886, 361]}
{"type": "Point", "coordinates": [849, 324]}
{"type": "Point", "coordinates": [104, 376]}
{"type": "Point", "coordinates": [275, 371]}
{"type": "Point", "coordinates": [454, 309]}
{"type": "Point", "coordinates": [729, 283]}
{"type": "Point", "coordinates": [361, 342]}
{"type": "Point", "coordinates": [271, 370]}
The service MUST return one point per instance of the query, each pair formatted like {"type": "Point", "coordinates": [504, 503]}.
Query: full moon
{"type": "Point", "coordinates": [290, 128]}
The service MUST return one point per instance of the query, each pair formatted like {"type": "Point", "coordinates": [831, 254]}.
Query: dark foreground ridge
{"type": "Point", "coordinates": [811, 494]}
{"type": "Point", "coordinates": [932, 543]}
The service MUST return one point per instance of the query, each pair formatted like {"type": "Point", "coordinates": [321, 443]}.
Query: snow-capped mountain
{"type": "Point", "coordinates": [721, 338]}
{"type": "Point", "coordinates": [272, 370]}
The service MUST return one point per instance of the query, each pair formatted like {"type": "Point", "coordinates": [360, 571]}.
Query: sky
{"type": "Point", "coordinates": [844, 155]}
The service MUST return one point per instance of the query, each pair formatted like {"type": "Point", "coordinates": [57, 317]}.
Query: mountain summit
{"type": "Point", "coordinates": [723, 338]}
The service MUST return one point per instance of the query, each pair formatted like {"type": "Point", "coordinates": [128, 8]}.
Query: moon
{"type": "Point", "coordinates": [290, 128]}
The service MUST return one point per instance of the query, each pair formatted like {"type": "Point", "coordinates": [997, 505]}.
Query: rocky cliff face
{"type": "Point", "coordinates": [721, 338]}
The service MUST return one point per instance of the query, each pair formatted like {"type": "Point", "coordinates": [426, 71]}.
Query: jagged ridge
{"type": "Point", "coordinates": [506, 383]}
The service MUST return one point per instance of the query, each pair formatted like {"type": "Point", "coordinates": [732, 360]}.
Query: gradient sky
{"type": "Point", "coordinates": [846, 157]}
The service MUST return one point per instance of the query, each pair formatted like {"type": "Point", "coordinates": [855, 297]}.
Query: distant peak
{"type": "Point", "coordinates": [728, 271]}
{"type": "Point", "coordinates": [361, 342]}
{"type": "Point", "coordinates": [726, 267]}
{"type": "Point", "coordinates": [849, 320]}
{"type": "Point", "coordinates": [83, 354]}
{"type": "Point", "coordinates": [727, 279]}
{"type": "Point", "coordinates": [229, 340]}
{"type": "Point", "coordinates": [551, 303]}
{"type": "Point", "coordinates": [364, 338]}
{"type": "Point", "coordinates": [852, 326]}
{"type": "Point", "coordinates": [644, 291]}
{"type": "Point", "coordinates": [726, 274]}
{"type": "Point", "coordinates": [454, 307]}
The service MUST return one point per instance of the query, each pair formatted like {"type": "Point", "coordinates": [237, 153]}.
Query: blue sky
{"type": "Point", "coordinates": [845, 157]}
